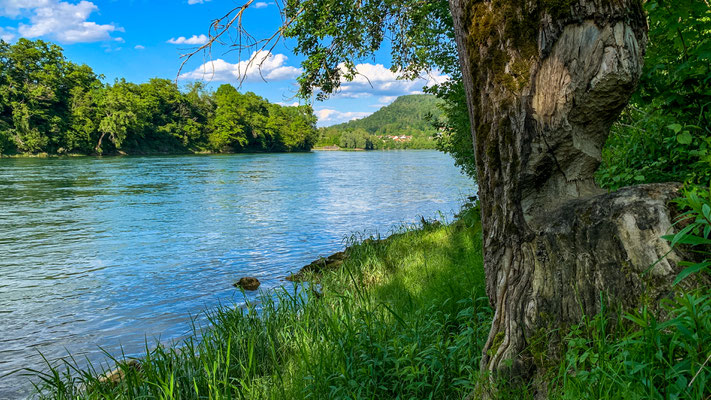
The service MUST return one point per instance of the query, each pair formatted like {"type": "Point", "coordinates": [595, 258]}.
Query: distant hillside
{"type": "Point", "coordinates": [406, 115]}
{"type": "Point", "coordinates": [401, 125]}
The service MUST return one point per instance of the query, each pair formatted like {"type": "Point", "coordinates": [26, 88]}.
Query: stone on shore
{"type": "Point", "coordinates": [322, 264]}
{"type": "Point", "coordinates": [248, 283]}
{"type": "Point", "coordinates": [117, 375]}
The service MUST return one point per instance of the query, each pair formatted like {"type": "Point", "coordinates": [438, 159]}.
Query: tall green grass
{"type": "Point", "coordinates": [407, 318]}
{"type": "Point", "coordinates": [404, 318]}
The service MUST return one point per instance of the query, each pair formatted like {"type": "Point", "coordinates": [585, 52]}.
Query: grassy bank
{"type": "Point", "coordinates": [405, 318]}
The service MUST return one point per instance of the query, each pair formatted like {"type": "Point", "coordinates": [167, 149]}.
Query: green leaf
{"type": "Point", "coordinates": [680, 235]}
{"type": "Point", "coordinates": [693, 240]}
{"type": "Point", "coordinates": [691, 270]}
{"type": "Point", "coordinates": [675, 127]}
{"type": "Point", "coordinates": [684, 137]}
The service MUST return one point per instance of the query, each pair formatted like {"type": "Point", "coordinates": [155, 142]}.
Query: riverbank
{"type": "Point", "coordinates": [182, 153]}
{"type": "Point", "coordinates": [335, 148]}
{"type": "Point", "coordinates": [404, 315]}
{"type": "Point", "coordinates": [146, 153]}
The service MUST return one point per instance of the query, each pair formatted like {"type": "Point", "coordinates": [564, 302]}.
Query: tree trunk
{"type": "Point", "coordinates": [97, 149]}
{"type": "Point", "coordinates": [545, 80]}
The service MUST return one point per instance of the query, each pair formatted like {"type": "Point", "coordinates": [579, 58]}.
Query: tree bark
{"type": "Point", "coordinates": [545, 80]}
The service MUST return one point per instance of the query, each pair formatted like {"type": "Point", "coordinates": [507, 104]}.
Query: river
{"type": "Point", "coordinates": [115, 251]}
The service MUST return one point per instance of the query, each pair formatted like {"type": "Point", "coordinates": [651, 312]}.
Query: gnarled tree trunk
{"type": "Point", "coordinates": [545, 80]}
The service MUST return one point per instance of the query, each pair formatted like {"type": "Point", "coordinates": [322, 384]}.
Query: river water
{"type": "Point", "coordinates": [115, 251]}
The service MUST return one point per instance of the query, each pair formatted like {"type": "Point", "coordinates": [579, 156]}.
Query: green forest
{"type": "Point", "coordinates": [49, 105]}
{"type": "Point", "coordinates": [412, 116]}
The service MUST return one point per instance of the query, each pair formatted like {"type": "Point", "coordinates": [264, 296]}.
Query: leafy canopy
{"type": "Point", "coordinates": [51, 105]}
{"type": "Point", "coordinates": [664, 134]}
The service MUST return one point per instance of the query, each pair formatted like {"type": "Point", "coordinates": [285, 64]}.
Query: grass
{"type": "Point", "coordinates": [651, 359]}
{"type": "Point", "coordinates": [407, 318]}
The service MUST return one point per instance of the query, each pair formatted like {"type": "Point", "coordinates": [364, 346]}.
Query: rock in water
{"type": "Point", "coordinates": [248, 283]}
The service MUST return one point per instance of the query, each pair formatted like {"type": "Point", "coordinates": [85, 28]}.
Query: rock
{"type": "Point", "coordinates": [117, 375]}
{"type": "Point", "coordinates": [322, 264]}
{"type": "Point", "coordinates": [248, 283]}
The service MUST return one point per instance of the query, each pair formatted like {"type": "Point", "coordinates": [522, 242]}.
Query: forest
{"type": "Point", "coordinates": [412, 116]}
{"type": "Point", "coordinates": [49, 105]}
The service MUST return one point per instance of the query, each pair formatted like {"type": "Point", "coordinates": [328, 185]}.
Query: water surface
{"type": "Point", "coordinates": [113, 251]}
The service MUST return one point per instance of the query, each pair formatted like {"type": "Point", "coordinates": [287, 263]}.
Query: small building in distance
{"type": "Point", "coordinates": [401, 138]}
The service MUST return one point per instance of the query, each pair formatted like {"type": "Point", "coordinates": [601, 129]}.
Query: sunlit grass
{"type": "Point", "coordinates": [404, 317]}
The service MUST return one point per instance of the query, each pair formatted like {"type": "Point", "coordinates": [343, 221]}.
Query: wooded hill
{"type": "Point", "coordinates": [407, 115]}
{"type": "Point", "coordinates": [410, 116]}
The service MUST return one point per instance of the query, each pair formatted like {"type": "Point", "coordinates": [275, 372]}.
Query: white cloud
{"type": "Point", "coordinates": [354, 95]}
{"type": "Point", "coordinates": [294, 104]}
{"type": "Point", "coordinates": [58, 20]}
{"type": "Point", "coordinates": [263, 65]}
{"type": "Point", "coordinates": [385, 100]}
{"type": "Point", "coordinates": [376, 80]}
{"type": "Point", "coordinates": [194, 39]}
{"type": "Point", "coordinates": [6, 35]}
{"type": "Point", "coordinates": [139, 47]}
{"type": "Point", "coordinates": [327, 116]}
{"type": "Point", "coordinates": [13, 8]}
{"type": "Point", "coordinates": [261, 4]}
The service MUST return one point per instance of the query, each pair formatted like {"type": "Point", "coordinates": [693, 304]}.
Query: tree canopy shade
{"type": "Point", "coordinates": [51, 105]}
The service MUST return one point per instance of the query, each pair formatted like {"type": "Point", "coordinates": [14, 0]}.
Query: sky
{"type": "Point", "coordinates": [142, 39]}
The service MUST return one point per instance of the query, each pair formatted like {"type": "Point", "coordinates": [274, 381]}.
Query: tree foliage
{"type": "Point", "coordinates": [51, 105]}
{"type": "Point", "coordinates": [335, 35]}
{"type": "Point", "coordinates": [406, 115]}
{"type": "Point", "coordinates": [665, 133]}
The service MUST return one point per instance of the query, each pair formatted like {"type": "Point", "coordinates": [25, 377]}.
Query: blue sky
{"type": "Point", "coordinates": [142, 39]}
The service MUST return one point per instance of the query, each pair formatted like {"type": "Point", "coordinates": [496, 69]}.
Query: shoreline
{"type": "Point", "coordinates": [351, 150]}
{"type": "Point", "coordinates": [147, 154]}
{"type": "Point", "coordinates": [277, 333]}
{"type": "Point", "coordinates": [195, 153]}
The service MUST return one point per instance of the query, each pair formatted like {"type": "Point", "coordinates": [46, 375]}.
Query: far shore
{"type": "Point", "coordinates": [335, 148]}
{"type": "Point", "coordinates": [177, 153]}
